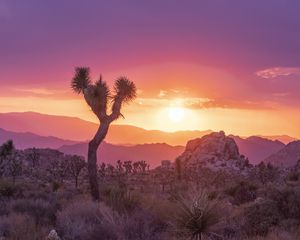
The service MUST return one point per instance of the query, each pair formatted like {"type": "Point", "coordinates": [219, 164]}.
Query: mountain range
{"type": "Point", "coordinates": [124, 142]}
{"type": "Point", "coordinates": [257, 148]}
{"type": "Point", "coordinates": [152, 153]}
{"type": "Point", "coordinates": [288, 156]}
{"type": "Point", "coordinates": [28, 140]}
{"type": "Point", "coordinates": [76, 129]}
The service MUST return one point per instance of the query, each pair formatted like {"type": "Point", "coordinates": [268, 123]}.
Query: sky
{"type": "Point", "coordinates": [215, 64]}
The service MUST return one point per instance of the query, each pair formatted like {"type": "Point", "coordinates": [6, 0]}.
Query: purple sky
{"type": "Point", "coordinates": [252, 46]}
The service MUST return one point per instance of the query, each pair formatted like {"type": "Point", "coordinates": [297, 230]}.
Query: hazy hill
{"type": "Point", "coordinates": [282, 138]}
{"type": "Point", "coordinates": [80, 130]}
{"type": "Point", "coordinates": [287, 157]}
{"type": "Point", "coordinates": [27, 140]}
{"type": "Point", "coordinates": [257, 148]}
{"type": "Point", "coordinates": [108, 153]}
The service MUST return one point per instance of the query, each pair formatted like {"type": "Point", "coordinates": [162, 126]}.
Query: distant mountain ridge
{"type": "Point", "coordinates": [282, 138]}
{"type": "Point", "coordinates": [257, 148]}
{"type": "Point", "coordinates": [28, 140]}
{"type": "Point", "coordinates": [152, 153]}
{"type": "Point", "coordinates": [108, 153]}
{"type": "Point", "coordinates": [286, 157]}
{"type": "Point", "coordinates": [77, 129]}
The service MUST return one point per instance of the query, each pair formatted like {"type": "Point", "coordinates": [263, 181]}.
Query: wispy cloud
{"type": "Point", "coordinates": [202, 103]}
{"type": "Point", "coordinates": [278, 71]}
{"type": "Point", "coordinates": [42, 93]}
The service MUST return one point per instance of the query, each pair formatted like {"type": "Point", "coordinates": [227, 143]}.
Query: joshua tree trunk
{"type": "Point", "coordinates": [92, 159]}
{"type": "Point", "coordinates": [98, 96]}
{"type": "Point", "coordinates": [76, 182]}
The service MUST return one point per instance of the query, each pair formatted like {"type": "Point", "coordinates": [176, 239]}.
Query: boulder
{"type": "Point", "coordinates": [215, 151]}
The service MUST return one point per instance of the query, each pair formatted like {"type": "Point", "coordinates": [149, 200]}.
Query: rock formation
{"type": "Point", "coordinates": [215, 151]}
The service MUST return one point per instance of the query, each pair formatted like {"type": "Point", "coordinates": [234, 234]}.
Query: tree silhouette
{"type": "Point", "coordinates": [6, 150]}
{"type": "Point", "coordinates": [76, 164]}
{"type": "Point", "coordinates": [100, 98]}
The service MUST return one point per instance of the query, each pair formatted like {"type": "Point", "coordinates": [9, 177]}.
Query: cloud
{"type": "Point", "coordinates": [278, 71]}
{"type": "Point", "coordinates": [195, 103]}
{"type": "Point", "coordinates": [42, 93]}
{"type": "Point", "coordinates": [162, 93]}
{"type": "Point", "coordinates": [226, 103]}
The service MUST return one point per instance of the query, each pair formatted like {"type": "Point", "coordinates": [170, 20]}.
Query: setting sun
{"type": "Point", "coordinates": [176, 114]}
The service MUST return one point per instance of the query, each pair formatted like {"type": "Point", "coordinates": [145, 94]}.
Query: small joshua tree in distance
{"type": "Point", "coordinates": [76, 165]}
{"type": "Point", "coordinates": [99, 97]}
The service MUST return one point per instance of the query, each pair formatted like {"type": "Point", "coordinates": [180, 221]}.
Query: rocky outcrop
{"type": "Point", "coordinates": [215, 151]}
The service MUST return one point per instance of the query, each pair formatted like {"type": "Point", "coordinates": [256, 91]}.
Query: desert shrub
{"type": "Point", "coordinates": [16, 227]}
{"type": "Point", "coordinates": [259, 217]}
{"type": "Point", "coordinates": [121, 200]}
{"type": "Point", "coordinates": [242, 192]}
{"type": "Point", "coordinates": [38, 194]}
{"type": "Point", "coordinates": [287, 201]}
{"type": "Point", "coordinates": [143, 225]}
{"type": "Point", "coordinates": [281, 207]}
{"type": "Point", "coordinates": [8, 189]}
{"type": "Point", "coordinates": [3, 208]}
{"type": "Point", "coordinates": [86, 220]}
{"type": "Point", "coordinates": [55, 186]}
{"type": "Point", "coordinates": [43, 212]}
{"type": "Point", "coordinates": [212, 195]}
{"type": "Point", "coordinates": [293, 176]}
{"type": "Point", "coordinates": [196, 217]}
{"type": "Point", "coordinates": [276, 234]}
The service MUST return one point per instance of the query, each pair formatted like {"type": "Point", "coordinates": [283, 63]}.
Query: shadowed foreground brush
{"type": "Point", "coordinates": [196, 217]}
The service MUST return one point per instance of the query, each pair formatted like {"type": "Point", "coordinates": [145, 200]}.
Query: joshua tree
{"type": "Point", "coordinates": [76, 165]}
{"type": "Point", "coordinates": [58, 169]}
{"type": "Point", "coordinates": [100, 98]}
{"type": "Point", "coordinates": [34, 157]}
{"type": "Point", "coordinates": [128, 166]}
{"type": "Point", "coordinates": [14, 166]}
{"type": "Point", "coordinates": [178, 168]}
{"type": "Point", "coordinates": [6, 150]}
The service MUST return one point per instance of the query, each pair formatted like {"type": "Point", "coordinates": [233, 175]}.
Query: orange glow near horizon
{"type": "Point", "coordinates": [164, 115]}
{"type": "Point", "coordinates": [170, 103]}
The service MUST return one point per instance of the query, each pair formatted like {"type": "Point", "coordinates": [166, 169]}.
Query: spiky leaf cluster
{"type": "Point", "coordinates": [81, 79]}
{"type": "Point", "coordinates": [125, 89]}
{"type": "Point", "coordinates": [97, 94]}
{"type": "Point", "coordinates": [196, 217]}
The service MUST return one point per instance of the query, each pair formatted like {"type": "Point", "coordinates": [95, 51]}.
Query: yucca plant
{"type": "Point", "coordinates": [99, 97]}
{"type": "Point", "coordinates": [196, 217]}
